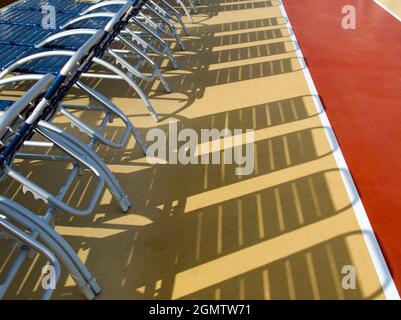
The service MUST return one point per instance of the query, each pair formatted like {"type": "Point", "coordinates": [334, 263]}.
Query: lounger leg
{"type": "Point", "coordinates": [166, 48]}
{"type": "Point", "coordinates": [183, 26]}
{"type": "Point", "coordinates": [170, 26]}
{"type": "Point", "coordinates": [127, 66]}
{"type": "Point", "coordinates": [193, 6]}
{"type": "Point", "coordinates": [184, 7]}
{"type": "Point", "coordinates": [179, 41]}
{"type": "Point", "coordinates": [178, 15]}
{"type": "Point", "coordinates": [159, 28]}
{"type": "Point", "coordinates": [153, 24]}
{"type": "Point", "coordinates": [131, 83]}
{"type": "Point", "coordinates": [147, 59]}
{"type": "Point", "coordinates": [143, 96]}
{"type": "Point", "coordinates": [139, 41]}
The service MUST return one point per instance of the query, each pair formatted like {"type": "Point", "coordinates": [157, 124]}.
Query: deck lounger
{"type": "Point", "coordinates": [43, 62]}
{"type": "Point", "coordinates": [15, 130]}
{"type": "Point", "coordinates": [74, 9]}
{"type": "Point", "coordinates": [150, 14]}
{"type": "Point", "coordinates": [157, 10]}
{"type": "Point", "coordinates": [160, 11]}
{"type": "Point", "coordinates": [107, 107]}
{"type": "Point", "coordinates": [52, 246]}
{"type": "Point", "coordinates": [26, 60]}
{"type": "Point", "coordinates": [160, 16]}
{"type": "Point", "coordinates": [153, 39]}
{"type": "Point", "coordinates": [57, 61]}
{"type": "Point", "coordinates": [19, 122]}
{"type": "Point", "coordinates": [27, 21]}
{"type": "Point", "coordinates": [116, 73]}
{"type": "Point", "coordinates": [167, 10]}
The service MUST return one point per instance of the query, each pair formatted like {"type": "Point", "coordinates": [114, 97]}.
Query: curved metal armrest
{"type": "Point", "coordinates": [102, 4]}
{"type": "Point", "coordinates": [21, 77]}
{"type": "Point", "coordinates": [52, 53]}
{"type": "Point", "coordinates": [93, 133]}
{"type": "Point", "coordinates": [65, 34]}
{"type": "Point", "coordinates": [109, 107]}
{"type": "Point", "coordinates": [88, 16]}
{"type": "Point", "coordinates": [60, 138]}
{"type": "Point", "coordinates": [8, 117]}
{"type": "Point", "coordinates": [40, 193]}
{"type": "Point", "coordinates": [81, 54]}
{"type": "Point", "coordinates": [122, 15]}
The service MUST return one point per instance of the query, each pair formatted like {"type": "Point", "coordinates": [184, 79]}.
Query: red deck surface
{"type": "Point", "coordinates": [358, 75]}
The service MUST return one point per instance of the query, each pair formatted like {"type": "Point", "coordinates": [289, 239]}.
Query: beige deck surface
{"type": "Point", "coordinates": [200, 231]}
{"type": "Point", "coordinates": [393, 5]}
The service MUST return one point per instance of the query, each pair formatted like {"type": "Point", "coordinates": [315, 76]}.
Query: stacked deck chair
{"type": "Point", "coordinates": [74, 12]}
{"type": "Point", "coordinates": [159, 16]}
{"type": "Point", "coordinates": [14, 25]}
{"type": "Point", "coordinates": [95, 134]}
{"type": "Point", "coordinates": [17, 24]}
{"type": "Point", "coordinates": [58, 62]}
{"type": "Point", "coordinates": [51, 61]}
{"type": "Point", "coordinates": [20, 122]}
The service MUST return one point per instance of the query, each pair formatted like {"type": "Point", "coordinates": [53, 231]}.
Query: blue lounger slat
{"type": "Point", "coordinates": [31, 18]}
{"type": "Point", "coordinates": [5, 104]}
{"type": "Point", "coordinates": [63, 6]}
{"type": "Point", "coordinates": [11, 53]}
{"type": "Point", "coordinates": [14, 28]}
{"type": "Point", "coordinates": [28, 36]}
{"type": "Point", "coordinates": [22, 35]}
{"type": "Point", "coordinates": [43, 66]}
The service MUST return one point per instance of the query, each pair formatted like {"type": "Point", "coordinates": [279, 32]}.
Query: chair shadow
{"type": "Point", "coordinates": [201, 231]}
{"type": "Point", "coordinates": [215, 7]}
{"type": "Point", "coordinates": [143, 254]}
{"type": "Point", "coordinates": [210, 67]}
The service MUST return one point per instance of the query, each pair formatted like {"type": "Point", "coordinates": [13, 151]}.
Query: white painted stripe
{"type": "Point", "coordinates": [388, 10]}
{"type": "Point", "coordinates": [375, 252]}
